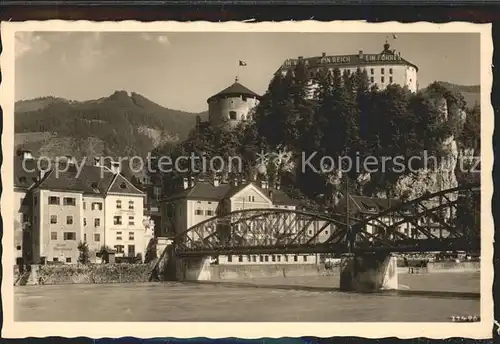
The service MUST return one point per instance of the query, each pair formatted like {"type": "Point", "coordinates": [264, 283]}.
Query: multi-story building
{"type": "Point", "coordinates": [385, 68]}
{"type": "Point", "coordinates": [90, 203]}
{"type": "Point", "coordinates": [232, 105]}
{"type": "Point", "coordinates": [202, 200]}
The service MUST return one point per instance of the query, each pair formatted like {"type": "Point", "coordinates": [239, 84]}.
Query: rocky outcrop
{"type": "Point", "coordinates": [438, 172]}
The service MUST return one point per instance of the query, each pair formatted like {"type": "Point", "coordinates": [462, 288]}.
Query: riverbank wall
{"type": "Point", "coordinates": [140, 273]}
{"type": "Point", "coordinates": [207, 272]}
{"type": "Point", "coordinates": [84, 274]}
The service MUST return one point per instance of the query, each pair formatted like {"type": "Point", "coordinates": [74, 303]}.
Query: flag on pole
{"type": "Point", "coordinates": [243, 63]}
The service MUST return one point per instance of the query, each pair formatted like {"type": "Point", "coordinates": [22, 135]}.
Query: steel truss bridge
{"type": "Point", "coordinates": [433, 222]}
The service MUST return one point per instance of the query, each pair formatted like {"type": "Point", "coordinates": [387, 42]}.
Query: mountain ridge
{"type": "Point", "coordinates": [121, 124]}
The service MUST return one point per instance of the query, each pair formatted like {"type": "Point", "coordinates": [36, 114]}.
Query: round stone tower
{"type": "Point", "coordinates": [232, 105]}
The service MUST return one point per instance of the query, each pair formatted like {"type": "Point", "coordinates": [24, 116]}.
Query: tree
{"type": "Point", "coordinates": [83, 258]}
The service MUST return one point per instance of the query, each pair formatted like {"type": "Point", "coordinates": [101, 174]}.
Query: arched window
{"type": "Point", "coordinates": [232, 115]}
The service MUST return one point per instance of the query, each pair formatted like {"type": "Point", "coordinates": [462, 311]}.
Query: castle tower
{"type": "Point", "coordinates": [232, 105]}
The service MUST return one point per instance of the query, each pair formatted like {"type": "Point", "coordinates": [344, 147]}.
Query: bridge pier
{"type": "Point", "coordinates": [368, 272]}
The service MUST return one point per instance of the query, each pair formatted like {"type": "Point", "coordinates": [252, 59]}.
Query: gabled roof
{"type": "Point", "coordinates": [207, 191]}
{"type": "Point", "coordinates": [366, 205]}
{"type": "Point", "coordinates": [235, 89]}
{"type": "Point", "coordinates": [26, 174]}
{"type": "Point", "coordinates": [96, 180]}
{"type": "Point", "coordinates": [92, 179]}
{"type": "Point", "coordinates": [120, 184]}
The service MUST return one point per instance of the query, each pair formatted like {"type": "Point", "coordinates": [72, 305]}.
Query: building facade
{"type": "Point", "coordinates": [202, 200]}
{"type": "Point", "coordinates": [385, 68]}
{"type": "Point", "coordinates": [90, 203]}
{"type": "Point", "coordinates": [232, 105]}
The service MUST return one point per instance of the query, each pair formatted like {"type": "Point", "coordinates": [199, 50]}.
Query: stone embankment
{"type": "Point", "coordinates": [140, 273]}
{"type": "Point", "coordinates": [82, 274]}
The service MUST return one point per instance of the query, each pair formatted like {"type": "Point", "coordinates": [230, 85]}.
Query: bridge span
{"type": "Point", "coordinates": [433, 222]}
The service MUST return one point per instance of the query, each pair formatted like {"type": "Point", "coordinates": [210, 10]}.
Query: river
{"type": "Point", "coordinates": [422, 298]}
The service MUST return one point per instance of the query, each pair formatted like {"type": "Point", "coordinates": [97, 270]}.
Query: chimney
{"type": "Point", "coordinates": [185, 183]}
{"type": "Point", "coordinates": [97, 161]}
{"type": "Point", "coordinates": [216, 181]}
{"type": "Point", "coordinates": [26, 155]}
{"type": "Point", "coordinates": [115, 167]}
{"type": "Point", "coordinates": [323, 54]}
{"type": "Point", "coordinates": [360, 54]}
{"type": "Point", "coordinates": [301, 57]}
{"type": "Point", "coordinates": [234, 181]}
{"type": "Point", "coordinates": [277, 185]}
{"type": "Point", "coordinates": [41, 174]}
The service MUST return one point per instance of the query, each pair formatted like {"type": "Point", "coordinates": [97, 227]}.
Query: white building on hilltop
{"type": "Point", "coordinates": [385, 68]}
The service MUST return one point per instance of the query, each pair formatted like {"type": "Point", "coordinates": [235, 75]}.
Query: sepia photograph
{"type": "Point", "coordinates": [247, 176]}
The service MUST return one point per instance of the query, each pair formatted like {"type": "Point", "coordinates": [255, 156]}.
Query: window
{"type": "Point", "coordinates": [382, 79]}
{"type": "Point", "coordinates": [326, 232]}
{"type": "Point", "coordinates": [254, 259]}
{"type": "Point", "coordinates": [69, 236]}
{"type": "Point", "coordinates": [84, 205]}
{"type": "Point", "coordinates": [279, 258]}
{"type": "Point", "coordinates": [261, 259]}
{"type": "Point", "coordinates": [84, 221]}
{"type": "Point", "coordinates": [372, 71]}
{"type": "Point", "coordinates": [198, 212]}
{"type": "Point", "coordinates": [53, 235]}
{"type": "Point", "coordinates": [295, 258]}
{"type": "Point", "coordinates": [130, 235]}
{"type": "Point", "coordinates": [244, 98]}
{"type": "Point", "coordinates": [118, 235]}
{"type": "Point", "coordinates": [286, 258]}
{"type": "Point", "coordinates": [240, 259]}
{"type": "Point", "coordinates": [53, 219]}
{"type": "Point", "coordinates": [97, 222]}
{"type": "Point", "coordinates": [36, 200]}
{"type": "Point", "coordinates": [118, 204]}
{"type": "Point", "coordinates": [131, 250]}
{"type": "Point", "coordinates": [273, 258]}
{"type": "Point", "coordinates": [209, 212]}
{"type": "Point", "coordinates": [372, 79]}
{"type": "Point", "coordinates": [25, 218]}
{"type": "Point", "coordinates": [390, 70]}
{"type": "Point", "coordinates": [230, 258]}
{"type": "Point", "coordinates": [97, 237]}
{"type": "Point", "coordinates": [18, 248]}
{"type": "Point", "coordinates": [232, 114]}
{"type": "Point", "coordinates": [84, 237]}
{"type": "Point", "coordinates": [97, 206]}
{"type": "Point", "coordinates": [69, 220]}
{"type": "Point", "coordinates": [131, 221]}
{"type": "Point", "coordinates": [382, 70]}
{"type": "Point", "coordinates": [54, 200]}
{"type": "Point", "coordinates": [310, 232]}
{"type": "Point", "coordinates": [305, 258]}
{"type": "Point", "coordinates": [68, 260]}
{"type": "Point", "coordinates": [131, 205]}
{"type": "Point", "coordinates": [390, 79]}
{"type": "Point", "coordinates": [266, 258]}
{"type": "Point", "coordinates": [119, 248]}
{"type": "Point", "coordinates": [69, 201]}
{"type": "Point", "coordinates": [55, 259]}
{"type": "Point", "coordinates": [117, 220]}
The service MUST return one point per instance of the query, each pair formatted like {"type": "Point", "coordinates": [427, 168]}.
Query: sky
{"type": "Point", "coordinates": [180, 70]}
